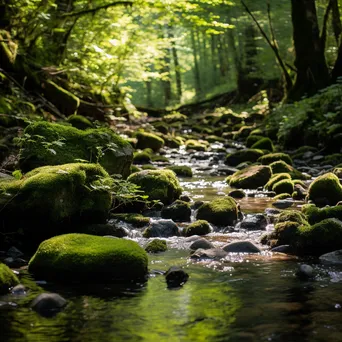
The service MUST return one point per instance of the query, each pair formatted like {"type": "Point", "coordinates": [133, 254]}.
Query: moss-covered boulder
{"type": "Point", "coordinates": [281, 167]}
{"type": "Point", "coordinates": [149, 140]}
{"type": "Point", "coordinates": [282, 196]}
{"type": "Point", "coordinates": [197, 145]}
{"type": "Point", "coordinates": [275, 179]}
{"type": "Point", "coordinates": [320, 238]}
{"type": "Point", "coordinates": [46, 143]}
{"type": "Point", "coordinates": [268, 159]}
{"type": "Point", "coordinates": [325, 189]}
{"type": "Point", "coordinates": [91, 258]}
{"type": "Point", "coordinates": [178, 211]}
{"type": "Point", "coordinates": [338, 172]}
{"type": "Point", "coordinates": [141, 158]}
{"type": "Point", "coordinates": [200, 227]}
{"type": "Point", "coordinates": [284, 186]}
{"type": "Point", "coordinates": [7, 279]}
{"type": "Point", "coordinates": [80, 122]}
{"type": "Point", "coordinates": [247, 155]}
{"type": "Point", "coordinates": [291, 215]}
{"type": "Point", "coordinates": [181, 170]}
{"type": "Point", "coordinates": [264, 144]}
{"type": "Point", "coordinates": [156, 246]}
{"type": "Point", "coordinates": [56, 196]}
{"type": "Point", "coordinates": [65, 101]}
{"type": "Point", "coordinates": [316, 215]}
{"type": "Point", "coordinates": [252, 139]}
{"type": "Point", "coordinates": [251, 177]}
{"type": "Point", "coordinates": [220, 211]}
{"type": "Point", "coordinates": [161, 185]}
{"type": "Point", "coordinates": [136, 220]}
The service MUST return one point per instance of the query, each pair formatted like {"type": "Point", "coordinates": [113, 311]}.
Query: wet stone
{"type": "Point", "coordinates": [332, 257]}
{"type": "Point", "coordinates": [162, 228]}
{"type": "Point", "coordinates": [286, 249]}
{"type": "Point", "coordinates": [213, 253]}
{"type": "Point", "coordinates": [241, 247]}
{"type": "Point", "coordinates": [14, 252]}
{"type": "Point", "coordinates": [201, 243]}
{"type": "Point", "coordinates": [255, 222]}
{"type": "Point", "coordinates": [176, 277]}
{"type": "Point", "coordinates": [19, 290]}
{"type": "Point", "coordinates": [305, 272]}
{"type": "Point", "coordinates": [48, 304]}
{"type": "Point", "coordinates": [283, 204]}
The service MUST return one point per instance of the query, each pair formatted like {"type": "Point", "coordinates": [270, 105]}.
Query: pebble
{"type": "Point", "coordinates": [305, 272]}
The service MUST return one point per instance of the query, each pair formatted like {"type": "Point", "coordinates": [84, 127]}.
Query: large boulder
{"type": "Point", "coordinates": [268, 159]}
{"type": "Point", "coordinates": [45, 143]}
{"type": "Point", "coordinates": [220, 211]}
{"type": "Point", "coordinates": [161, 228]}
{"type": "Point", "coordinates": [7, 279]}
{"type": "Point", "coordinates": [325, 189]}
{"type": "Point", "coordinates": [247, 155]}
{"type": "Point", "coordinates": [200, 227]}
{"type": "Point", "coordinates": [52, 196]}
{"type": "Point", "coordinates": [316, 215]}
{"type": "Point", "coordinates": [251, 177]}
{"type": "Point", "coordinates": [149, 140]}
{"type": "Point", "coordinates": [264, 144]}
{"type": "Point", "coordinates": [90, 258]}
{"type": "Point", "coordinates": [161, 185]}
{"type": "Point", "coordinates": [177, 211]}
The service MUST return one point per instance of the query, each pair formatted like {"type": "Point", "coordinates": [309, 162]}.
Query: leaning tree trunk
{"type": "Point", "coordinates": [312, 70]}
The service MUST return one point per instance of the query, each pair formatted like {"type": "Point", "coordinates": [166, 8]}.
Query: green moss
{"type": "Point", "coordinates": [298, 154]}
{"type": "Point", "coordinates": [285, 233]}
{"type": "Point", "coordinates": [299, 182]}
{"type": "Point", "coordinates": [156, 246]}
{"type": "Point", "coordinates": [197, 145]}
{"type": "Point", "coordinates": [221, 211]}
{"type": "Point", "coordinates": [141, 158]}
{"type": "Point", "coordinates": [172, 142]}
{"type": "Point", "coordinates": [134, 169]}
{"type": "Point", "coordinates": [159, 185]}
{"type": "Point", "coordinates": [149, 140]}
{"type": "Point", "coordinates": [284, 186]}
{"type": "Point", "coordinates": [275, 179]}
{"type": "Point", "coordinates": [252, 139]}
{"type": "Point", "coordinates": [251, 177]}
{"type": "Point", "coordinates": [282, 196]}
{"type": "Point", "coordinates": [175, 117]}
{"type": "Point", "coordinates": [148, 167]}
{"type": "Point", "coordinates": [322, 237]}
{"type": "Point", "coordinates": [333, 159]}
{"type": "Point", "coordinates": [200, 227]}
{"type": "Point", "coordinates": [316, 215]}
{"type": "Point", "coordinates": [54, 144]}
{"type": "Point", "coordinates": [136, 220]}
{"type": "Point", "coordinates": [177, 211]}
{"type": "Point", "coordinates": [247, 155]}
{"type": "Point", "coordinates": [92, 258]}
{"type": "Point", "coordinates": [66, 102]}
{"type": "Point", "coordinates": [80, 122]}
{"type": "Point", "coordinates": [57, 195]}
{"type": "Point", "coordinates": [161, 159]}
{"type": "Point", "coordinates": [161, 127]}
{"type": "Point", "coordinates": [281, 167]}
{"type": "Point", "coordinates": [268, 159]}
{"type": "Point", "coordinates": [325, 189]}
{"type": "Point", "coordinates": [215, 138]}
{"type": "Point", "coordinates": [181, 170]}
{"type": "Point", "coordinates": [264, 144]}
{"type": "Point", "coordinates": [291, 215]}
{"type": "Point", "coordinates": [338, 172]}
{"type": "Point", "coordinates": [7, 279]}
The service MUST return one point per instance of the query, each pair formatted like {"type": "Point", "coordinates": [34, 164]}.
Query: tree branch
{"type": "Point", "coordinates": [93, 10]}
{"type": "Point", "coordinates": [323, 37]}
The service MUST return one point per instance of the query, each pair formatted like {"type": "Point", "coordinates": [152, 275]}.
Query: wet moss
{"type": "Point", "coordinates": [79, 122]}
{"type": "Point", "coordinates": [161, 185]}
{"type": "Point", "coordinates": [268, 159]}
{"type": "Point", "coordinates": [136, 220]}
{"type": "Point", "coordinates": [87, 257]}
{"type": "Point", "coordinates": [264, 144]}
{"type": "Point", "coordinates": [275, 179]}
{"type": "Point", "coordinates": [292, 215]}
{"type": "Point", "coordinates": [149, 140]}
{"type": "Point", "coordinates": [181, 170]}
{"type": "Point", "coordinates": [174, 117]}
{"type": "Point", "coordinates": [7, 279]}
{"type": "Point", "coordinates": [141, 158]}
{"type": "Point", "coordinates": [284, 186]}
{"type": "Point", "coordinates": [221, 211]}
{"type": "Point", "coordinates": [251, 177]}
{"type": "Point", "coordinates": [282, 196]}
{"type": "Point", "coordinates": [281, 167]}
{"type": "Point", "coordinates": [252, 139]}
{"type": "Point", "coordinates": [156, 246]}
{"type": "Point", "coordinates": [148, 167]}
{"type": "Point", "coordinates": [316, 215]}
{"type": "Point", "coordinates": [197, 145]}
{"type": "Point", "coordinates": [178, 211]}
{"type": "Point", "coordinates": [247, 155]}
{"type": "Point", "coordinates": [200, 227]}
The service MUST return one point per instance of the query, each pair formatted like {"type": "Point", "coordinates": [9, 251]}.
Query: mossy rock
{"type": "Point", "coordinates": [57, 195]}
{"type": "Point", "coordinates": [285, 233]}
{"type": "Point", "coordinates": [136, 220]}
{"type": "Point", "coordinates": [79, 122]}
{"type": "Point", "coordinates": [134, 169]}
{"type": "Point", "coordinates": [161, 127]}
{"type": "Point", "coordinates": [7, 279]}
{"type": "Point", "coordinates": [65, 101]}
{"type": "Point", "coordinates": [298, 154]}
{"type": "Point", "coordinates": [161, 185]}
{"type": "Point", "coordinates": [316, 215]}
{"type": "Point", "coordinates": [325, 189]}
{"type": "Point", "coordinates": [320, 238]}
{"type": "Point", "coordinates": [148, 167]}
{"type": "Point", "coordinates": [247, 155]}
{"type": "Point", "coordinates": [251, 177]}
{"type": "Point", "coordinates": [338, 172]}
{"type": "Point", "coordinates": [55, 144]}
{"type": "Point", "coordinates": [156, 246]}
{"type": "Point", "coordinates": [282, 167]}
{"type": "Point", "coordinates": [141, 158]}
{"type": "Point", "coordinates": [275, 179]}
{"type": "Point", "coordinates": [284, 186]}
{"type": "Point", "coordinates": [214, 139]}
{"type": "Point", "coordinates": [237, 193]}
{"type": "Point", "coordinates": [282, 196]}
{"type": "Point", "coordinates": [149, 140]}
{"type": "Point", "coordinates": [220, 211]}
{"type": "Point", "coordinates": [172, 142]}
{"type": "Point", "coordinates": [174, 117]}
{"type": "Point", "coordinates": [264, 144]}
{"type": "Point", "coordinates": [252, 139]}
{"type": "Point", "coordinates": [292, 215]}
{"type": "Point", "coordinates": [178, 211]}
{"type": "Point", "coordinates": [268, 159]}
{"type": "Point", "coordinates": [333, 159]}
{"type": "Point", "coordinates": [91, 258]}
{"type": "Point", "coordinates": [197, 145]}
{"type": "Point", "coordinates": [181, 170]}
{"type": "Point", "coordinates": [160, 159]}
{"type": "Point", "coordinates": [200, 227]}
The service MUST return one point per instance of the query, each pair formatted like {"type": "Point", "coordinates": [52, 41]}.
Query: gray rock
{"type": "Point", "coordinates": [241, 247]}
{"type": "Point", "coordinates": [283, 204]}
{"type": "Point", "coordinates": [272, 211]}
{"type": "Point", "coordinates": [226, 170]}
{"type": "Point", "coordinates": [282, 249]}
{"type": "Point", "coordinates": [14, 253]}
{"type": "Point", "coordinates": [332, 257]}
{"type": "Point", "coordinates": [305, 272]}
{"type": "Point", "coordinates": [237, 194]}
{"type": "Point", "coordinates": [201, 243]}
{"type": "Point", "coordinates": [254, 222]}
{"type": "Point", "coordinates": [14, 263]}
{"type": "Point", "coordinates": [192, 238]}
{"type": "Point", "coordinates": [197, 204]}
{"type": "Point", "coordinates": [19, 290]}
{"type": "Point", "coordinates": [213, 253]}
{"type": "Point", "coordinates": [48, 304]}
{"type": "Point", "coordinates": [176, 277]}
{"type": "Point", "coordinates": [185, 198]}
{"type": "Point", "coordinates": [162, 228]}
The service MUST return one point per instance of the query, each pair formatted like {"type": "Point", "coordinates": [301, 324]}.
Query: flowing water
{"type": "Point", "coordinates": [239, 298]}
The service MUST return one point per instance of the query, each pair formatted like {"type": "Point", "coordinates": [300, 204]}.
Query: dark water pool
{"type": "Point", "coordinates": [248, 300]}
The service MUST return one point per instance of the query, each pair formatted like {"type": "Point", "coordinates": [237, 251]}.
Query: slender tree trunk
{"type": "Point", "coordinates": [213, 59]}
{"type": "Point", "coordinates": [176, 64]}
{"type": "Point", "coordinates": [312, 70]}
{"type": "Point", "coordinates": [198, 87]}
{"type": "Point", "coordinates": [149, 93]}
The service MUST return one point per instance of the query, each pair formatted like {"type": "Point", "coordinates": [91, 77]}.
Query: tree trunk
{"type": "Point", "coordinates": [176, 63]}
{"type": "Point", "coordinates": [312, 70]}
{"type": "Point", "coordinates": [196, 65]}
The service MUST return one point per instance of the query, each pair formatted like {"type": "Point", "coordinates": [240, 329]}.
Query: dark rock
{"type": "Point", "coordinates": [176, 277]}
{"type": "Point", "coordinates": [105, 229]}
{"type": "Point", "coordinates": [305, 272]}
{"type": "Point", "coordinates": [241, 247]}
{"type": "Point", "coordinates": [197, 204]}
{"type": "Point", "coordinates": [286, 249]}
{"type": "Point", "coordinates": [237, 194]}
{"type": "Point", "coordinates": [185, 198]}
{"type": "Point", "coordinates": [14, 252]}
{"type": "Point", "coordinates": [201, 243]}
{"type": "Point", "coordinates": [255, 222]}
{"type": "Point", "coordinates": [332, 257]}
{"type": "Point", "coordinates": [213, 253]}
{"type": "Point", "coordinates": [272, 211]}
{"type": "Point", "coordinates": [15, 263]}
{"type": "Point", "coordinates": [283, 204]}
{"type": "Point", "coordinates": [19, 290]}
{"type": "Point", "coordinates": [48, 304]}
{"type": "Point", "coordinates": [177, 211]}
{"type": "Point", "coordinates": [161, 228]}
